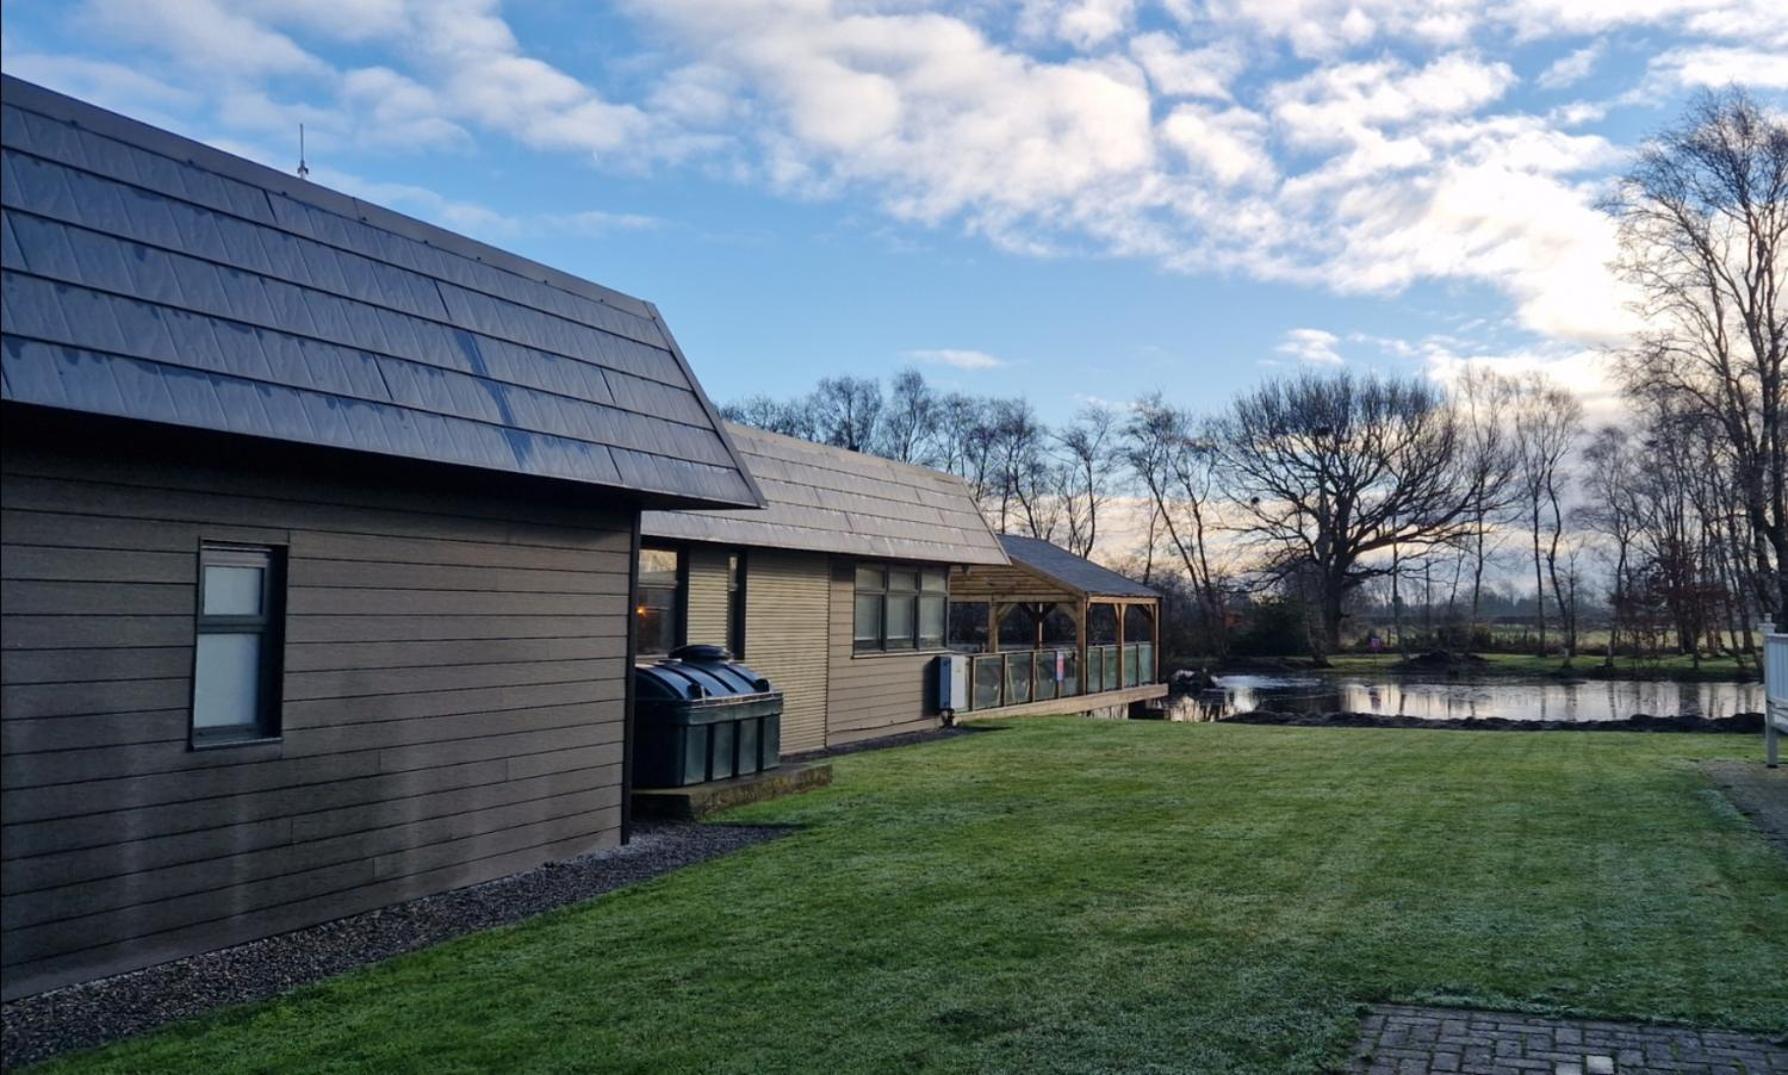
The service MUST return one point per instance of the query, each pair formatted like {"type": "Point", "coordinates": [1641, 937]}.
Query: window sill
{"type": "Point", "coordinates": [224, 742]}
{"type": "Point", "coordinates": [880, 653]}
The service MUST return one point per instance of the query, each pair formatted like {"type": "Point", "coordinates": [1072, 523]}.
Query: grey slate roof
{"type": "Point", "coordinates": [831, 500]}
{"type": "Point", "coordinates": [1070, 570]}
{"type": "Point", "coordinates": [147, 276]}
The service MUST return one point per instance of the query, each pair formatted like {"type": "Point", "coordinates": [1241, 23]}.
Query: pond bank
{"type": "Point", "coordinates": [1585, 667]}
{"type": "Point", "coordinates": [1746, 723]}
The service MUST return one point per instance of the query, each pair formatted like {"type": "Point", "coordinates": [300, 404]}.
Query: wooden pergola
{"type": "Point", "coordinates": [1042, 576]}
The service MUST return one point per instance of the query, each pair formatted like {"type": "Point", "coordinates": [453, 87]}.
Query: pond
{"type": "Point", "coordinates": [1464, 699]}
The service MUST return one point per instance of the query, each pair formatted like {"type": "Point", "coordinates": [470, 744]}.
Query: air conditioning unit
{"type": "Point", "coordinates": [953, 683]}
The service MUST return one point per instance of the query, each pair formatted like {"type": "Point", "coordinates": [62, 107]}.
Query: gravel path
{"type": "Point", "coordinates": [1759, 792]}
{"type": "Point", "coordinates": [905, 739]}
{"type": "Point", "coordinates": [78, 1017]}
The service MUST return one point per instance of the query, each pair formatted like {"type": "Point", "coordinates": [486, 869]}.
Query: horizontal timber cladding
{"type": "Point", "coordinates": [786, 609]}
{"type": "Point", "coordinates": [873, 694]}
{"type": "Point", "coordinates": [786, 613]}
{"type": "Point", "coordinates": [1006, 585]}
{"type": "Point", "coordinates": [705, 597]}
{"type": "Point", "coordinates": [452, 700]}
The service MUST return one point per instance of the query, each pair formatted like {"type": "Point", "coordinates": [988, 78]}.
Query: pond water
{"type": "Point", "coordinates": [1464, 699]}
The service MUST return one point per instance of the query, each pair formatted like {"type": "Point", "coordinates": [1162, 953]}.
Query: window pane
{"type": "Point", "coordinates": [869, 621]}
{"type": "Point", "coordinates": [233, 591]}
{"type": "Point", "coordinates": [657, 627]}
{"type": "Point", "coordinates": [732, 571]}
{"type": "Point", "coordinates": [900, 622]}
{"type": "Point", "coordinates": [658, 567]}
{"type": "Point", "coordinates": [226, 681]}
{"type": "Point", "coordinates": [902, 578]}
{"type": "Point", "coordinates": [931, 621]}
{"type": "Point", "coordinates": [869, 577]}
{"type": "Point", "coordinates": [933, 579]}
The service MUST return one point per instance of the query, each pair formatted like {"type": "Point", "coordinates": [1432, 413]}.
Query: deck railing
{"type": "Point", "coordinates": [1015, 677]}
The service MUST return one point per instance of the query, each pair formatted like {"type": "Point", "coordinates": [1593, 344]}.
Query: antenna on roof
{"type": "Point", "coordinates": [303, 169]}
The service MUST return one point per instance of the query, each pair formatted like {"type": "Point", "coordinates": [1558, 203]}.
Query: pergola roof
{"type": "Point", "coordinates": [1073, 572]}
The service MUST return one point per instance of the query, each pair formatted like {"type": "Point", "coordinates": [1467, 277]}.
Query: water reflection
{"type": "Point", "coordinates": [1454, 699]}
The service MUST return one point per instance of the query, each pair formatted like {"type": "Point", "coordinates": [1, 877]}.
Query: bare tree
{"type": "Point", "coordinates": [1089, 465]}
{"type": "Point", "coordinates": [792, 419]}
{"type": "Point", "coordinates": [1484, 398]}
{"type": "Point", "coordinates": [909, 421]}
{"type": "Point", "coordinates": [1611, 481]}
{"type": "Point", "coordinates": [847, 412]}
{"type": "Point", "coordinates": [1176, 465]}
{"type": "Point", "coordinates": [1329, 472]}
{"type": "Point", "coordinates": [1703, 218]}
{"type": "Point", "coordinates": [1547, 421]}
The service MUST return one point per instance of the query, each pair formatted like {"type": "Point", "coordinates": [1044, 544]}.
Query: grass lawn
{"type": "Point", "coordinates": [1073, 896]}
{"type": "Point", "coordinates": [1673, 666]}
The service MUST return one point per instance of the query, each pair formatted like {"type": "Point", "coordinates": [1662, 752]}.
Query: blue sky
{"type": "Point", "coordinates": [1069, 200]}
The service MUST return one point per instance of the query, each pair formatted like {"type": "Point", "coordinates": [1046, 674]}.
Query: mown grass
{"type": "Point", "coordinates": [1072, 896]}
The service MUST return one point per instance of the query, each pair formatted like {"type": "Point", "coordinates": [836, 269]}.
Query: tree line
{"type": "Point", "coordinates": [1317, 498]}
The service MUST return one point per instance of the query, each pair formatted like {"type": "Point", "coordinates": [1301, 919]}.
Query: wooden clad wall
{"type": "Point", "coordinates": [787, 604]}
{"type": "Point", "coordinates": [1006, 583]}
{"type": "Point", "coordinates": [454, 697]}
{"type": "Point", "coordinates": [706, 596]}
{"type": "Point", "coordinates": [872, 694]}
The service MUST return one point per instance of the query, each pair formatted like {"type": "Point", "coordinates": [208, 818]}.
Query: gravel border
{"type": "Point", "coordinates": [39, 1027]}
{"type": "Point", "coordinates": [1742, 723]}
{"type": "Point", "coordinates": [887, 742]}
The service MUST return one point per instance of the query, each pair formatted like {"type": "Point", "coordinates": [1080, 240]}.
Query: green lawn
{"type": "Point", "coordinates": [1073, 896]}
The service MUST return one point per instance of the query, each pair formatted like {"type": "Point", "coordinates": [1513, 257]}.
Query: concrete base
{"type": "Point", "coordinates": [700, 800]}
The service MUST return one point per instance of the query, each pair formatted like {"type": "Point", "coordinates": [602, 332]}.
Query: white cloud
{"type": "Point", "coordinates": [1573, 68]}
{"type": "Point", "coordinates": [1312, 345]}
{"type": "Point", "coordinates": [1715, 66]}
{"type": "Point", "coordinates": [956, 358]}
{"type": "Point", "coordinates": [1388, 156]}
{"type": "Point", "coordinates": [1178, 72]}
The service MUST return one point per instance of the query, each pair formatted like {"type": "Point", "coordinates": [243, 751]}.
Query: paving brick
{"type": "Point", "coordinates": [1407, 1039]}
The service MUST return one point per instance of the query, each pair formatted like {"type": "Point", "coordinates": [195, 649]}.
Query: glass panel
{"type": "Point", "coordinates": [869, 577]}
{"type": "Point", "coordinates": [1145, 662]}
{"type": "Point", "coordinates": [987, 682]}
{"type": "Point", "coordinates": [931, 621]}
{"type": "Point", "coordinates": [227, 681]}
{"type": "Point", "coordinates": [904, 579]}
{"type": "Point", "coordinates": [1130, 666]}
{"type": "Point", "coordinates": [1111, 668]}
{"type": "Point", "coordinates": [732, 571]}
{"type": "Point", "coordinates": [1070, 684]}
{"type": "Point", "coordinates": [658, 567]}
{"type": "Point", "coordinates": [233, 591]}
{"type": "Point", "coordinates": [1018, 678]}
{"type": "Point", "coordinates": [1043, 683]}
{"type": "Point", "coordinates": [932, 579]}
{"type": "Point", "coordinates": [869, 621]}
{"type": "Point", "coordinates": [901, 614]}
{"type": "Point", "coordinates": [968, 626]}
{"type": "Point", "coordinates": [656, 621]}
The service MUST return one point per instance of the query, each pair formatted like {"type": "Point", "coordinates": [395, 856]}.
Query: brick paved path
{"type": "Point", "coordinates": [1402, 1040]}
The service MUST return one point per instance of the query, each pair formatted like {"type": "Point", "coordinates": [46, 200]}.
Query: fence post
{"type": "Point", "coordinates": [1775, 692]}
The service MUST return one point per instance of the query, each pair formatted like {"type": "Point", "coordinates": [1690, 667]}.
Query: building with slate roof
{"type": "Point", "coordinates": [320, 528]}
{"type": "Point", "coordinates": [860, 574]}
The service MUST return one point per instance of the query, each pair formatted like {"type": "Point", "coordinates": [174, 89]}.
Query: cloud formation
{"type": "Point", "coordinates": [1363, 146]}
{"type": "Point", "coordinates": [956, 358]}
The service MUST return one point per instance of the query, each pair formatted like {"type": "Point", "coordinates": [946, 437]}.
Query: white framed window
{"type": "Point", "coordinates": [238, 642]}
{"type": "Point", "coordinates": [900, 606]}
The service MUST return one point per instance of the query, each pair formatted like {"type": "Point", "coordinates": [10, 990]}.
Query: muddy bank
{"type": "Point", "coordinates": [1745, 723]}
